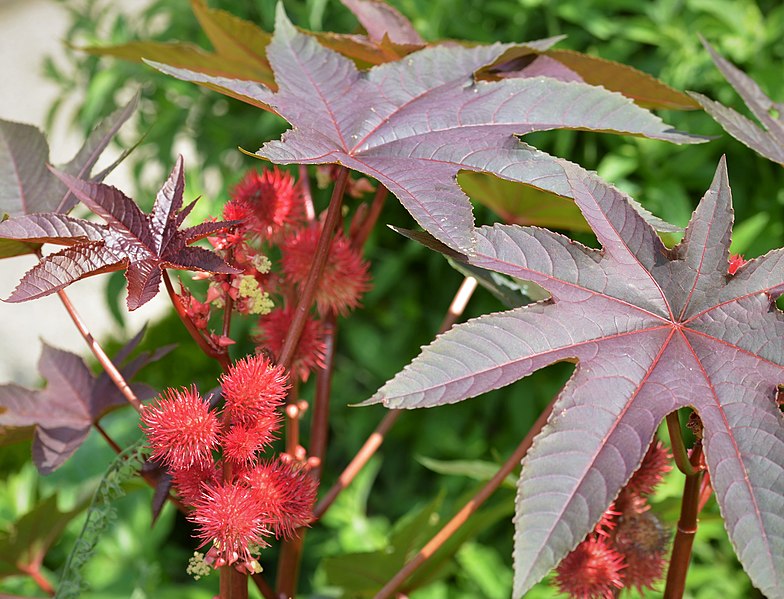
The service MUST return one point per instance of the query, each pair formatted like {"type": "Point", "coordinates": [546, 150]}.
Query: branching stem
{"type": "Point", "coordinates": [100, 355]}
{"type": "Point", "coordinates": [217, 353]}
{"type": "Point", "coordinates": [460, 518]}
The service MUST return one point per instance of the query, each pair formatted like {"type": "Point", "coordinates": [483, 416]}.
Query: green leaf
{"type": "Point", "coordinates": [474, 469]}
{"type": "Point", "coordinates": [25, 543]}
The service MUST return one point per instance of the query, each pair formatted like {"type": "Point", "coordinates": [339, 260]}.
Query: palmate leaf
{"type": "Point", "coordinates": [26, 186]}
{"type": "Point", "coordinates": [651, 330]}
{"type": "Point", "coordinates": [63, 413]}
{"type": "Point", "coordinates": [414, 124]}
{"type": "Point", "coordinates": [143, 244]}
{"type": "Point", "coordinates": [767, 141]}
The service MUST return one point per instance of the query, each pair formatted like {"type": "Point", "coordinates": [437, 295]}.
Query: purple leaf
{"type": "Point", "coordinates": [414, 124]}
{"type": "Point", "coordinates": [652, 330]}
{"type": "Point", "coordinates": [382, 20]}
{"type": "Point", "coordinates": [143, 244]}
{"type": "Point", "coordinates": [71, 403]}
{"type": "Point", "coordinates": [26, 186]}
{"type": "Point", "coordinates": [769, 142]}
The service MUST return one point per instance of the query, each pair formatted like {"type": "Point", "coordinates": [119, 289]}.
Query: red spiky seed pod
{"type": "Point", "coordinates": [591, 571]}
{"type": "Point", "coordinates": [254, 388]}
{"type": "Point", "coordinates": [181, 428]}
{"type": "Point", "coordinates": [242, 442]}
{"type": "Point", "coordinates": [642, 541]}
{"type": "Point", "coordinates": [655, 464]}
{"type": "Point", "coordinates": [189, 482]}
{"type": "Point", "coordinates": [270, 199]}
{"type": "Point", "coordinates": [229, 516]}
{"type": "Point", "coordinates": [287, 492]}
{"type": "Point", "coordinates": [345, 277]}
{"type": "Point", "coordinates": [273, 330]}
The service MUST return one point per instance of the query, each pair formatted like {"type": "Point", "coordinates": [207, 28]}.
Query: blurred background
{"type": "Point", "coordinates": [48, 82]}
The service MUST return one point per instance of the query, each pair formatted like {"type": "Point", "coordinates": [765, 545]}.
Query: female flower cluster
{"type": "Point", "coordinates": [238, 498]}
{"type": "Point", "coordinates": [627, 547]}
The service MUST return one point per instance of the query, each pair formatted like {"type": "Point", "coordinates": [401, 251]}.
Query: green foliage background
{"type": "Point", "coordinates": [412, 287]}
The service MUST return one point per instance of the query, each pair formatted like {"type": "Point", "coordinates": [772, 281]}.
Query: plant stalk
{"type": "Point", "coordinates": [288, 564]}
{"type": "Point", "coordinates": [687, 528]}
{"type": "Point", "coordinates": [219, 354]}
{"type": "Point", "coordinates": [233, 584]}
{"type": "Point", "coordinates": [307, 194]}
{"type": "Point", "coordinates": [376, 438]}
{"type": "Point", "coordinates": [308, 291]}
{"type": "Point", "coordinates": [100, 355]}
{"type": "Point", "coordinates": [319, 428]}
{"type": "Point", "coordinates": [372, 217]}
{"type": "Point", "coordinates": [460, 518]}
{"type": "Point", "coordinates": [679, 451]}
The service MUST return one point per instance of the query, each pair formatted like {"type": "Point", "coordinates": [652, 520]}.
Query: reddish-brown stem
{"type": "Point", "coordinates": [307, 195]}
{"type": "Point", "coordinates": [370, 220]}
{"type": "Point", "coordinates": [228, 308]}
{"type": "Point", "coordinates": [362, 457]}
{"type": "Point", "coordinates": [34, 572]}
{"type": "Point", "coordinates": [233, 584]}
{"type": "Point", "coordinates": [374, 441]}
{"type": "Point", "coordinates": [459, 519]}
{"type": "Point", "coordinates": [264, 588]}
{"type": "Point", "coordinates": [308, 290]}
{"type": "Point", "coordinates": [319, 427]}
{"type": "Point", "coordinates": [687, 528]}
{"type": "Point", "coordinates": [116, 448]}
{"type": "Point", "coordinates": [706, 490]}
{"type": "Point", "coordinates": [100, 355]}
{"type": "Point", "coordinates": [217, 353]}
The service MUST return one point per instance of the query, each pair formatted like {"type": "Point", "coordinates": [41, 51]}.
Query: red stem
{"type": "Point", "coordinates": [362, 457]}
{"type": "Point", "coordinates": [319, 428]}
{"type": "Point", "coordinates": [370, 220]}
{"type": "Point", "coordinates": [288, 564]}
{"type": "Point", "coordinates": [460, 518]}
{"type": "Point", "coordinates": [217, 353]}
{"type": "Point", "coordinates": [308, 291]}
{"type": "Point", "coordinates": [374, 441]}
{"type": "Point", "coordinates": [100, 355]}
{"type": "Point", "coordinates": [34, 572]}
{"type": "Point", "coordinates": [233, 584]}
{"type": "Point", "coordinates": [117, 449]}
{"type": "Point", "coordinates": [307, 195]}
{"type": "Point", "coordinates": [687, 528]}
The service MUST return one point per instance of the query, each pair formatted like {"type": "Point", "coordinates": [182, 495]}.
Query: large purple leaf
{"type": "Point", "coordinates": [142, 244]}
{"type": "Point", "coordinates": [652, 330]}
{"type": "Point", "coordinates": [26, 185]}
{"type": "Point", "coordinates": [767, 141]}
{"type": "Point", "coordinates": [414, 124]}
{"type": "Point", "coordinates": [71, 403]}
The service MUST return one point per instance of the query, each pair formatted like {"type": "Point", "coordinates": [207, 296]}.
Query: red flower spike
{"type": "Point", "coordinates": [654, 466]}
{"type": "Point", "coordinates": [190, 482]}
{"type": "Point", "coordinates": [642, 541]}
{"type": "Point", "coordinates": [273, 329]}
{"type": "Point", "coordinates": [253, 389]}
{"type": "Point", "coordinates": [271, 199]}
{"type": "Point", "coordinates": [345, 276]}
{"type": "Point", "coordinates": [287, 493]}
{"type": "Point", "coordinates": [229, 516]}
{"type": "Point", "coordinates": [242, 442]}
{"type": "Point", "coordinates": [181, 429]}
{"type": "Point", "coordinates": [591, 571]}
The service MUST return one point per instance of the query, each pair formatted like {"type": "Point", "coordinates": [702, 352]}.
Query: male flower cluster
{"type": "Point", "coordinates": [238, 499]}
{"type": "Point", "coordinates": [627, 547]}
